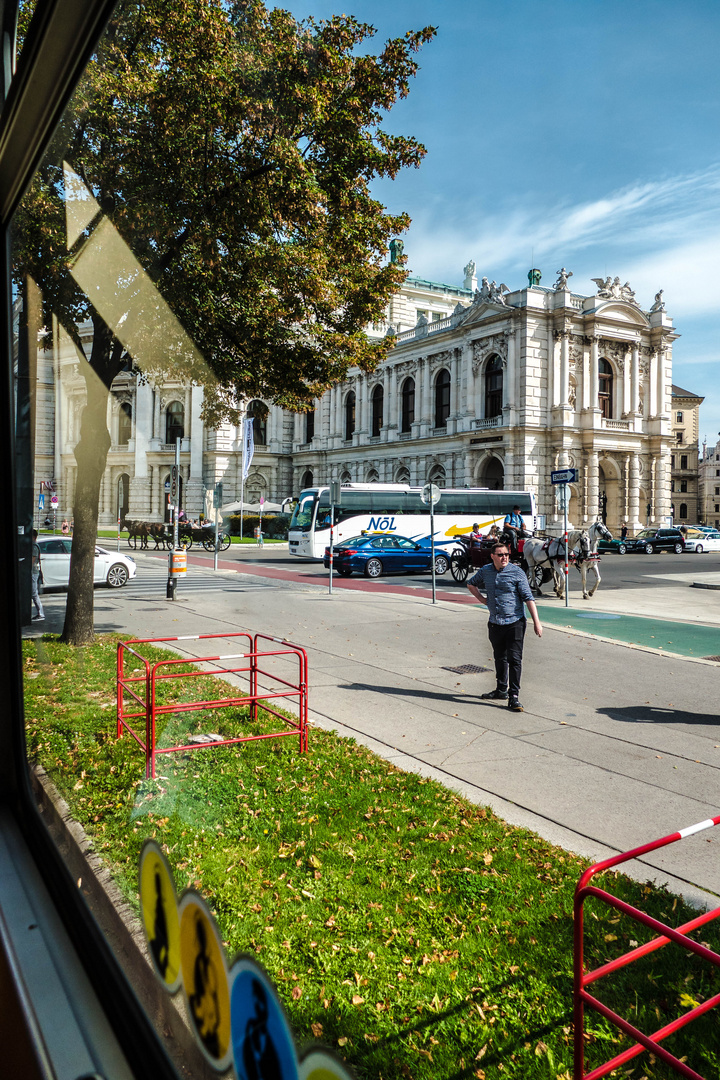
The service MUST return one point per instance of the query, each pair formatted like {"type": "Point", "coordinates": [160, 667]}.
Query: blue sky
{"type": "Point", "coordinates": [574, 133]}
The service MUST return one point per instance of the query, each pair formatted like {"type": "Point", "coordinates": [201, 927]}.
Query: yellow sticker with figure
{"type": "Point", "coordinates": [159, 911]}
{"type": "Point", "coordinates": [322, 1065]}
{"type": "Point", "coordinates": [205, 980]}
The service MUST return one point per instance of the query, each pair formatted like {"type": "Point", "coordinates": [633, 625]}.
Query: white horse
{"type": "Point", "coordinates": [590, 563]}
{"type": "Point", "coordinates": [539, 554]}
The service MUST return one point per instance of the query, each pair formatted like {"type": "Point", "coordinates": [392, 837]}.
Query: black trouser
{"type": "Point", "coordinates": [507, 645]}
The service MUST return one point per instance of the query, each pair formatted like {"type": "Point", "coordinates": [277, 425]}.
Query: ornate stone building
{"type": "Point", "coordinates": [483, 387]}
{"type": "Point", "coordinates": [709, 470]}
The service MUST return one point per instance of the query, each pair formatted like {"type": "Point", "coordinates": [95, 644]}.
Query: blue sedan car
{"type": "Point", "coordinates": [378, 554]}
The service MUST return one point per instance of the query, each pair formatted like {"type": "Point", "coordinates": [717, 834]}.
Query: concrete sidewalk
{"type": "Point", "coordinates": [617, 746]}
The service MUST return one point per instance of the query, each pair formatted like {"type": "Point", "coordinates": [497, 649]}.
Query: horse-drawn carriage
{"type": "Point", "coordinates": [471, 554]}
{"type": "Point", "coordinates": [162, 534]}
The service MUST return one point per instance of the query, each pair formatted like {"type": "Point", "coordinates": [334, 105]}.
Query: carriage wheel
{"type": "Point", "coordinates": [209, 543]}
{"type": "Point", "coordinates": [224, 541]}
{"type": "Point", "coordinates": [186, 539]}
{"type": "Point", "coordinates": [459, 567]}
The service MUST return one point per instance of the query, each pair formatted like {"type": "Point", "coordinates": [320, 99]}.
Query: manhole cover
{"type": "Point", "coordinates": [715, 658]}
{"type": "Point", "coordinates": [467, 669]}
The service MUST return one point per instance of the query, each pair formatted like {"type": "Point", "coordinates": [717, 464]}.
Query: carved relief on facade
{"type": "Point", "coordinates": [572, 392]}
{"type": "Point", "coordinates": [577, 352]}
{"type": "Point", "coordinates": [614, 350]}
{"type": "Point", "coordinates": [484, 347]}
{"type": "Point", "coordinates": [440, 360]}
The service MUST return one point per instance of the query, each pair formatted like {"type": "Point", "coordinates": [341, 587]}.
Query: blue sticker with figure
{"type": "Point", "coordinates": [263, 1046]}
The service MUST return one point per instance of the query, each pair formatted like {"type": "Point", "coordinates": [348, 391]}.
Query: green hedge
{"type": "Point", "coordinates": [274, 526]}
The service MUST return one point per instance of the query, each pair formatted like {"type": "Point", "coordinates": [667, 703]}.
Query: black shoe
{"type": "Point", "coordinates": [514, 705]}
{"type": "Point", "coordinates": [495, 695]}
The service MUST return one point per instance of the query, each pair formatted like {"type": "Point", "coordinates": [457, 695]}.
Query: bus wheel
{"type": "Point", "coordinates": [373, 568]}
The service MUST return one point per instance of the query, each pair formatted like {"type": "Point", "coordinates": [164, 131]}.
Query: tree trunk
{"type": "Point", "coordinates": [91, 455]}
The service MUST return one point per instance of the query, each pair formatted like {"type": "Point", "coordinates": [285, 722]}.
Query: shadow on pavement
{"type": "Point", "coordinates": [644, 714]}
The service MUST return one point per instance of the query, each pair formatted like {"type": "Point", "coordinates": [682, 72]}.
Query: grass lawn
{"type": "Point", "coordinates": [413, 931]}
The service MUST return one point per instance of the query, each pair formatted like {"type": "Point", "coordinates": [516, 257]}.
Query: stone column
{"type": "Point", "coordinates": [626, 385]}
{"type": "Point", "coordinates": [454, 368]}
{"type": "Point", "coordinates": [594, 373]}
{"type": "Point", "coordinates": [653, 383]}
{"type": "Point", "coordinates": [361, 406]}
{"type": "Point", "coordinates": [564, 388]}
{"type": "Point", "coordinates": [469, 384]}
{"type": "Point", "coordinates": [634, 522]}
{"type": "Point", "coordinates": [194, 494]}
{"type": "Point", "coordinates": [426, 417]}
{"type": "Point", "coordinates": [625, 510]}
{"type": "Point", "coordinates": [156, 418]}
{"type": "Point", "coordinates": [509, 379]}
{"type": "Point", "coordinates": [660, 392]}
{"type": "Point", "coordinates": [635, 380]}
{"type": "Point", "coordinates": [584, 402]}
{"type": "Point", "coordinates": [593, 485]}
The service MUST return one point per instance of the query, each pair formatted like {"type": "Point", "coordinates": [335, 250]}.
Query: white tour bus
{"type": "Point", "coordinates": [399, 509]}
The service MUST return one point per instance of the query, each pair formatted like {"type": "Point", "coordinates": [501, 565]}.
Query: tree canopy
{"type": "Point", "coordinates": [213, 173]}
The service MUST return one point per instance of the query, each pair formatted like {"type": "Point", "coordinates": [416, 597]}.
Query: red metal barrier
{"type": "Point", "coordinates": [141, 687]}
{"type": "Point", "coordinates": [666, 935]}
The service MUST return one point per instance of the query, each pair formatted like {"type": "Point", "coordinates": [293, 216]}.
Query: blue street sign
{"type": "Point", "coordinates": [564, 476]}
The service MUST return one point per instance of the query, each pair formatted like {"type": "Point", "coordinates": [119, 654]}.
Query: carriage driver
{"type": "Point", "coordinates": [514, 526]}
{"type": "Point", "coordinates": [506, 591]}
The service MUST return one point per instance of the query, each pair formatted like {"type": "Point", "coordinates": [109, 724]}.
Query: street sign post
{"type": "Point", "coordinates": [431, 494]}
{"type": "Point", "coordinates": [335, 500]}
{"type": "Point", "coordinates": [564, 476]}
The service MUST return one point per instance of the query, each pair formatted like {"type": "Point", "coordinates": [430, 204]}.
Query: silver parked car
{"type": "Point", "coordinates": [111, 568]}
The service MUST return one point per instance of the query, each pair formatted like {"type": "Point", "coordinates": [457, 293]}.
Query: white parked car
{"type": "Point", "coordinates": [709, 541]}
{"type": "Point", "coordinates": [111, 567]}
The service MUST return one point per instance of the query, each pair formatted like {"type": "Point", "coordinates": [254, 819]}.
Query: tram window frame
{"type": "Point", "coordinates": [67, 1003]}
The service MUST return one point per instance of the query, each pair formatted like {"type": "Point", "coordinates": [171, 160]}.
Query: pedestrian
{"type": "Point", "coordinates": [476, 533]}
{"type": "Point", "coordinates": [36, 575]}
{"type": "Point", "coordinates": [65, 528]}
{"type": "Point", "coordinates": [506, 590]}
{"type": "Point", "coordinates": [624, 532]}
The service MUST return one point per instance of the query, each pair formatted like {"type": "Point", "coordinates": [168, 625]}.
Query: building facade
{"type": "Point", "coordinates": [684, 460]}
{"type": "Point", "coordinates": [483, 386]}
{"type": "Point", "coordinates": [709, 470]}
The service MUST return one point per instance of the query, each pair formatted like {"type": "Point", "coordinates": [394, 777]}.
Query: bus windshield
{"type": "Point", "coordinates": [303, 514]}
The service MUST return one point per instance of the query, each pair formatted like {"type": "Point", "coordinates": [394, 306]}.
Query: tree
{"type": "Point", "coordinates": [206, 207]}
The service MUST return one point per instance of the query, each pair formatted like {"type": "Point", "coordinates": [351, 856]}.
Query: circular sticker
{"type": "Point", "coordinates": [205, 980]}
{"type": "Point", "coordinates": [322, 1065]}
{"type": "Point", "coordinates": [262, 1040]}
{"type": "Point", "coordinates": [158, 907]}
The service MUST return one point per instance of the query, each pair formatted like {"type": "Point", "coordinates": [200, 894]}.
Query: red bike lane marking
{"type": "Point", "coordinates": [305, 577]}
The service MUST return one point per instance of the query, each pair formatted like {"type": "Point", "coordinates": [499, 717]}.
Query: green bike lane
{"type": "Point", "coordinates": [651, 632]}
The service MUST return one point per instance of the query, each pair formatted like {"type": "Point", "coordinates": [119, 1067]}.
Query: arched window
{"type": "Point", "coordinates": [407, 416]}
{"type": "Point", "coordinates": [174, 421]}
{"type": "Point", "coordinates": [605, 388]}
{"type": "Point", "coordinates": [349, 415]}
{"type": "Point", "coordinates": [493, 387]}
{"type": "Point", "coordinates": [309, 425]}
{"type": "Point", "coordinates": [258, 412]}
{"type": "Point", "coordinates": [437, 476]}
{"type": "Point", "coordinates": [373, 477]}
{"type": "Point", "coordinates": [124, 423]}
{"type": "Point", "coordinates": [442, 398]}
{"type": "Point", "coordinates": [345, 477]}
{"type": "Point", "coordinates": [378, 397]}
{"type": "Point", "coordinates": [307, 479]}
{"type": "Point", "coordinates": [402, 476]}
{"type": "Point", "coordinates": [683, 510]}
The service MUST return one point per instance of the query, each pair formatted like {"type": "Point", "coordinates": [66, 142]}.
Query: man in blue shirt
{"type": "Point", "coordinates": [506, 592]}
{"type": "Point", "coordinates": [514, 526]}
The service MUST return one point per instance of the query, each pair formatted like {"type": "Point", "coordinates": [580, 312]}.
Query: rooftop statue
{"type": "Point", "coordinates": [610, 289]}
{"type": "Point", "coordinates": [469, 270]}
{"type": "Point", "coordinates": [490, 292]}
{"type": "Point", "coordinates": [659, 304]}
{"type": "Point", "coordinates": [396, 250]}
{"type": "Point", "coordinates": [562, 281]}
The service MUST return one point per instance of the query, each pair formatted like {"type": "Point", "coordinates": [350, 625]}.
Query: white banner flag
{"type": "Point", "coordinates": [248, 446]}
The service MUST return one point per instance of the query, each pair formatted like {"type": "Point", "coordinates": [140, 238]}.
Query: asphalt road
{"type": "Point", "coordinates": [618, 571]}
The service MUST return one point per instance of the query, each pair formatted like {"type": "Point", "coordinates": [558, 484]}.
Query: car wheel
{"type": "Point", "coordinates": [622, 549]}
{"type": "Point", "coordinates": [649, 549]}
{"type": "Point", "coordinates": [344, 571]}
{"type": "Point", "coordinates": [699, 548]}
{"type": "Point", "coordinates": [679, 549]}
{"type": "Point", "coordinates": [117, 576]}
{"type": "Point", "coordinates": [373, 568]}
{"type": "Point", "coordinates": [442, 564]}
